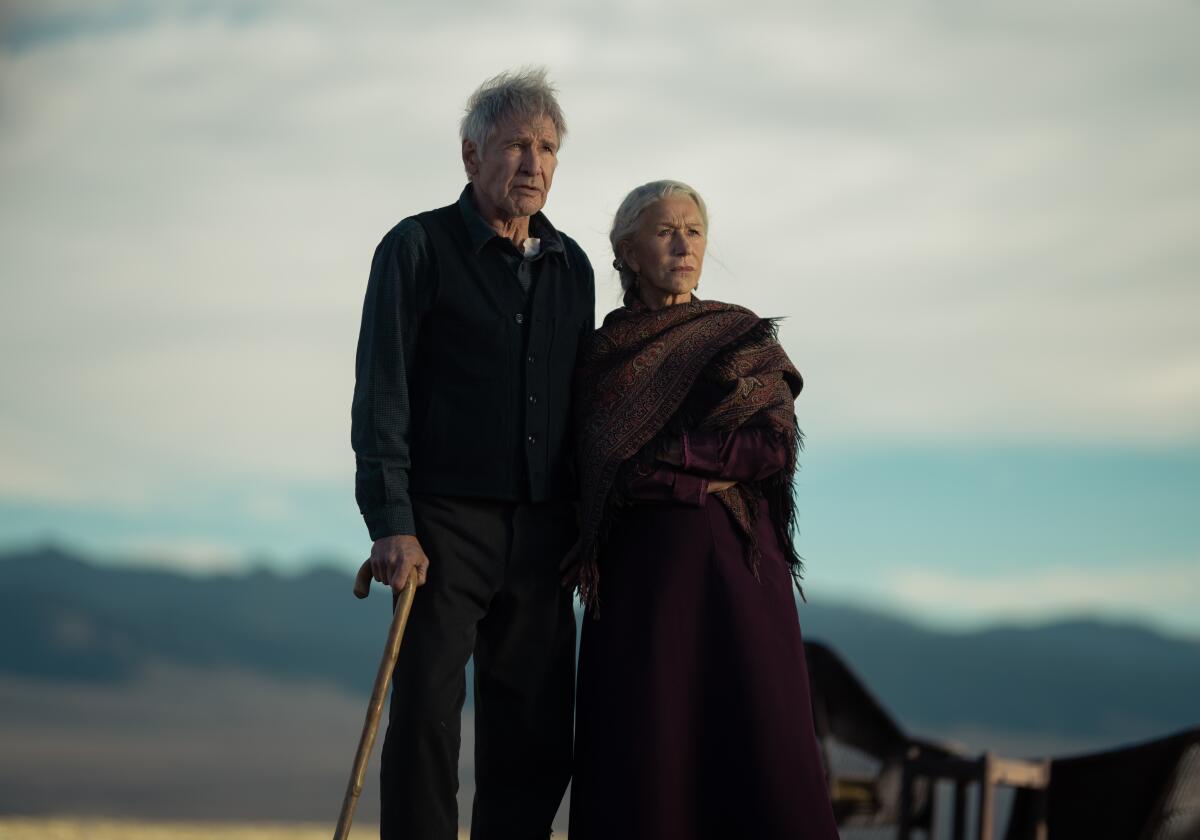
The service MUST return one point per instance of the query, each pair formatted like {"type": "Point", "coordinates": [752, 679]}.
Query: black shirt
{"type": "Point", "coordinates": [463, 379]}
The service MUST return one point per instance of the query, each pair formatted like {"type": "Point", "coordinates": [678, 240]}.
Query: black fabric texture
{"type": "Point", "coordinates": [463, 378]}
{"type": "Point", "coordinates": [492, 592]}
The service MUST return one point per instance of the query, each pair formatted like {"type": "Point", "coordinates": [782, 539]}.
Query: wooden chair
{"type": "Point", "coordinates": [987, 771]}
{"type": "Point", "coordinates": [1149, 791]}
{"type": "Point", "coordinates": [863, 748]}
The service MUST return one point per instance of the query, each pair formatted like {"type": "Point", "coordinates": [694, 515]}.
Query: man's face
{"type": "Point", "coordinates": [512, 174]}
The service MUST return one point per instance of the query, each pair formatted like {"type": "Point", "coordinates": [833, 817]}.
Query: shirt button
{"type": "Point", "coordinates": [519, 318]}
{"type": "Point", "coordinates": [532, 439]}
{"type": "Point", "coordinates": [533, 398]}
{"type": "Point", "coordinates": [529, 358]}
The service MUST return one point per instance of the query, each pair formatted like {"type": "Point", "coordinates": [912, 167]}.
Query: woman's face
{"type": "Point", "coordinates": [666, 251]}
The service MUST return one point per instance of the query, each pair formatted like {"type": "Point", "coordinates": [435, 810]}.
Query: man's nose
{"type": "Point", "coordinates": [531, 161]}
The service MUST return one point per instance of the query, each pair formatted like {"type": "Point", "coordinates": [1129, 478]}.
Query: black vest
{"type": "Point", "coordinates": [491, 385]}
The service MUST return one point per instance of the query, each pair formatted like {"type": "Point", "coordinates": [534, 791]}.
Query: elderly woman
{"type": "Point", "coordinates": [693, 716]}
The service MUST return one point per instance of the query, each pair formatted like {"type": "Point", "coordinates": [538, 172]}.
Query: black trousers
{"type": "Point", "coordinates": [493, 591]}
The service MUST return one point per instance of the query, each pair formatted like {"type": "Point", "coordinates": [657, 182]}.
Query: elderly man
{"type": "Point", "coordinates": [472, 318]}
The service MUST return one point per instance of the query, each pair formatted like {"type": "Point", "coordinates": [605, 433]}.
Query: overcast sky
{"type": "Point", "coordinates": [982, 222]}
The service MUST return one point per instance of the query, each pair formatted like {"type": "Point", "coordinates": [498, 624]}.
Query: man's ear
{"type": "Point", "coordinates": [470, 157]}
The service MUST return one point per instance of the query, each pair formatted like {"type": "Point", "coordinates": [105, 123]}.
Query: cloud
{"type": "Point", "coordinates": [195, 555]}
{"type": "Point", "coordinates": [982, 223]}
{"type": "Point", "coordinates": [1161, 590]}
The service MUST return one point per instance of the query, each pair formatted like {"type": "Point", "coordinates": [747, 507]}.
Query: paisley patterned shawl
{"type": "Point", "coordinates": [632, 386]}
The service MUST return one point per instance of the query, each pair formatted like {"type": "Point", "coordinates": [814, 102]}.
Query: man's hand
{"type": "Point", "coordinates": [393, 559]}
{"type": "Point", "coordinates": [716, 485]}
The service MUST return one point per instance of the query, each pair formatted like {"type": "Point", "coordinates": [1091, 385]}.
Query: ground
{"type": "Point", "coordinates": [28, 828]}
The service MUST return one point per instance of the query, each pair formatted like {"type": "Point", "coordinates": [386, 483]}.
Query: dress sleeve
{"type": "Point", "coordinates": [668, 484]}
{"type": "Point", "coordinates": [747, 454]}
{"type": "Point", "coordinates": [398, 294]}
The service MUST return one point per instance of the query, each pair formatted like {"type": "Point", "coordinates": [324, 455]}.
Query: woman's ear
{"type": "Point", "coordinates": [627, 256]}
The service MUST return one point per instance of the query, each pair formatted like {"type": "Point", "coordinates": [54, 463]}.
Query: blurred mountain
{"type": "Point", "coordinates": [64, 619]}
{"type": "Point", "coordinates": [1088, 680]}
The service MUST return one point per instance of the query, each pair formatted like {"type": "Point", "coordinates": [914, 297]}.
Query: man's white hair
{"type": "Point", "coordinates": [639, 200]}
{"type": "Point", "coordinates": [525, 94]}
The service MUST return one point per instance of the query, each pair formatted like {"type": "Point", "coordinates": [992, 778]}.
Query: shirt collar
{"type": "Point", "coordinates": [481, 233]}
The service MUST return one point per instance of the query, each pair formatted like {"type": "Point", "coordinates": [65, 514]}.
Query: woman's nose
{"type": "Point", "coordinates": [680, 244]}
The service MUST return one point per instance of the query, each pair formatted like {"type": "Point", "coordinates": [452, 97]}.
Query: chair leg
{"type": "Point", "coordinates": [960, 810]}
{"type": "Point", "coordinates": [1040, 806]}
{"type": "Point", "coordinates": [903, 827]}
{"type": "Point", "coordinates": [987, 791]}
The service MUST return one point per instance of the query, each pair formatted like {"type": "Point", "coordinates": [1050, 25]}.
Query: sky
{"type": "Point", "coordinates": [981, 222]}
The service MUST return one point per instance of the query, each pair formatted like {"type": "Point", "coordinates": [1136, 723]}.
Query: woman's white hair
{"type": "Point", "coordinates": [525, 94]}
{"type": "Point", "coordinates": [639, 200]}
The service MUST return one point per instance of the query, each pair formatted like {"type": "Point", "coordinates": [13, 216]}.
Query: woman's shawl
{"type": "Point", "coordinates": [632, 385]}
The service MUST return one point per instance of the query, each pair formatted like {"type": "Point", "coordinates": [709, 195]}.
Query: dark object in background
{"type": "Point", "coordinates": [1149, 791]}
{"type": "Point", "coordinates": [864, 749]}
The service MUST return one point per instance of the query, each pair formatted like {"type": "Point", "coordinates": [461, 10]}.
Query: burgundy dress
{"type": "Point", "coordinates": [693, 717]}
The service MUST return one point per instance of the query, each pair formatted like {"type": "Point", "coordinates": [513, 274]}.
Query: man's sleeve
{"type": "Point", "coordinates": [587, 325]}
{"type": "Point", "coordinates": [590, 325]}
{"type": "Point", "coordinates": [397, 294]}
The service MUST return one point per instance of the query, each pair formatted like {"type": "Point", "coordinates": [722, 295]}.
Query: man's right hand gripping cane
{"type": "Point", "coordinates": [393, 559]}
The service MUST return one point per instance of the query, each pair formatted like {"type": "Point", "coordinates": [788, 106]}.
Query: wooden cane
{"type": "Point", "coordinates": [362, 587]}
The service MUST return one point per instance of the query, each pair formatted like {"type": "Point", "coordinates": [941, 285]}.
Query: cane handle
{"type": "Point", "coordinates": [362, 580]}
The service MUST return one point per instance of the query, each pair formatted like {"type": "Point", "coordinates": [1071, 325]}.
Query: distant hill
{"type": "Point", "coordinates": [1085, 679]}
{"type": "Point", "coordinates": [65, 619]}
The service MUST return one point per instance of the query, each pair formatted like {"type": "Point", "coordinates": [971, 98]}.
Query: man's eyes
{"type": "Point", "coordinates": [521, 147]}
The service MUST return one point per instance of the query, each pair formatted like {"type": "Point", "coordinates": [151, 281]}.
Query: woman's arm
{"type": "Point", "coordinates": [667, 484]}
{"type": "Point", "coordinates": [747, 454]}
{"type": "Point", "coordinates": [699, 463]}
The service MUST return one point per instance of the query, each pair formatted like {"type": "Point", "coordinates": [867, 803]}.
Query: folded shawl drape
{"type": "Point", "coordinates": [637, 381]}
